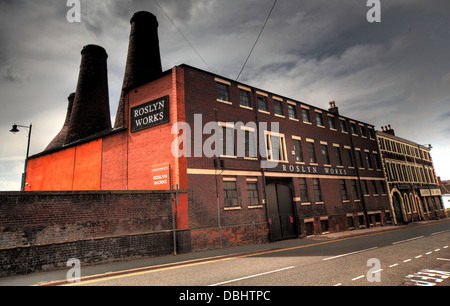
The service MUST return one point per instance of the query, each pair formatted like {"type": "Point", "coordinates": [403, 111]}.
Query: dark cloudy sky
{"type": "Point", "coordinates": [395, 72]}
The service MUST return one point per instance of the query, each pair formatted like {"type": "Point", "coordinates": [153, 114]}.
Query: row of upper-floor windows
{"type": "Point", "coordinates": [409, 173]}
{"type": "Point", "coordinates": [293, 111]}
{"type": "Point", "coordinates": [392, 146]}
{"type": "Point", "coordinates": [243, 143]}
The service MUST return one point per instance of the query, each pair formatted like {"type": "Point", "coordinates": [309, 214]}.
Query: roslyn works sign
{"type": "Point", "coordinates": [150, 114]}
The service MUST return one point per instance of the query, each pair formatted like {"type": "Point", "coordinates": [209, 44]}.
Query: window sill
{"type": "Point", "coordinates": [246, 107]}
{"type": "Point", "coordinates": [232, 208]}
{"type": "Point", "coordinates": [228, 156]}
{"type": "Point", "coordinates": [226, 102]}
{"type": "Point", "coordinates": [255, 206]}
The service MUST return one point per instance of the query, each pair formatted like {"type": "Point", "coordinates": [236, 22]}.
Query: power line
{"type": "Point", "coordinates": [256, 42]}
{"type": "Point", "coordinates": [181, 33]}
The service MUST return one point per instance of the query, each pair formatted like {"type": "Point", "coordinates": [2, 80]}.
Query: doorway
{"type": "Point", "coordinates": [280, 210]}
{"type": "Point", "coordinates": [396, 198]}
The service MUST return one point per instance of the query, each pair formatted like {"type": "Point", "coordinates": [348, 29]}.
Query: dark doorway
{"type": "Point", "coordinates": [280, 210]}
{"type": "Point", "coordinates": [398, 208]}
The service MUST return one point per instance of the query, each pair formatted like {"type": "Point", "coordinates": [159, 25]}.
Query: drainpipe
{"type": "Point", "coordinates": [218, 164]}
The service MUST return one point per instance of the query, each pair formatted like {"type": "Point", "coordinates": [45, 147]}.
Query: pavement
{"type": "Point", "coordinates": [116, 268]}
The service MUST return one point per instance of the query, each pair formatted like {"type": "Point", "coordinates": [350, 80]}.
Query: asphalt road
{"type": "Point", "coordinates": [412, 256]}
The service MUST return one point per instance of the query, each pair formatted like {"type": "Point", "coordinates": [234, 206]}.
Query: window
{"type": "Point", "coordinates": [331, 122]}
{"type": "Point", "coordinates": [348, 153]}
{"type": "Point", "coordinates": [317, 191]}
{"type": "Point", "coordinates": [276, 147]}
{"type": "Point", "coordinates": [407, 204]}
{"type": "Point", "coordinates": [365, 191]}
{"type": "Point", "coordinates": [353, 128]}
{"type": "Point", "coordinates": [343, 189]}
{"type": "Point", "coordinates": [377, 161]}
{"type": "Point", "coordinates": [252, 193]}
{"type": "Point", "coordinates": [309, 228]}
{"type": "Point", "coordinates": [368, 160]}
{"type": "Point", "coordinates": [325, 155]}
{"type": "Point", "coordinates": [355, 190]}
{"type": "Point", "coordinates": [230, 194]}
{"type": "Point", "coordinates": [262, 104]}
{"type": "Point", "coordinates": [383, 188]}
{"type": "Point", "coordinates": [359, 161]}
{"type": "Point", "coordinates": [371, 134]}
{"type": "Point", "coordinates": [374, 187]}
{"type": "Point", "coordinates": [249, 144]}
{"type": "Point", "coordinates": [337, 154]}
{"type": "Point", "coordinates": [319, 119]}
{"type": "Point", "coordinates": [324, 225]}
{"type": "Point", "coordinates": [298, 150]}
{"type": "Point", "coordinates": [304, 196]}
{"type": "Point", "coordinates": [344, 126]}
{"type": "Point", "coordinates": [362, 130]}
{"type": "Point", "coordinates": [361, 221]}
{"type": "Point", "coordinates": [245, 98]}
{"type": "Point", "coordinates": [305, 115]}
{"type": "Point", "coordinates": [278, 107]}
{"type": "Point", "coordinates": [350, 222]}
{"type": "Point", "coordinates": [312, 153]}
{"type": "Point", "coordinates": [222, 92]}
{"type": "Point", "coordinates": [292, 111]}
{"type": "Point", "coordinates": [227, 139]}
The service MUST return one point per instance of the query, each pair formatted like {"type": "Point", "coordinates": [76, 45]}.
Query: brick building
{"type": "Point", "coordinates": [317, 171]}
{"type": "Point", "coordinates": [413, 187]}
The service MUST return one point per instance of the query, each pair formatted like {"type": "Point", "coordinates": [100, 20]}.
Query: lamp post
{"type": "Point", "coordinates": [15, 130]}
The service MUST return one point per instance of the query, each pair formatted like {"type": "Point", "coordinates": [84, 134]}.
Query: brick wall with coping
{"type": "Point", "coordinates": [42, 230]}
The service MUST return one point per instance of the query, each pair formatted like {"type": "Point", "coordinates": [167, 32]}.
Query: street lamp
{"type": "Point", "coordinates": [15, 130]}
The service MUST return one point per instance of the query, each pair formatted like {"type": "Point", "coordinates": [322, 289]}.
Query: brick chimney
{"type": "Point", "coordinates": [388, 130]}
{"type": "Point", "coordinates": [333, 109]}
{"type": "Point", "coordinates": [90, 112]}
{"type": "Point", "coordinates": [143, 60]}
{"type": "Point", "coordinates": [59, 140]}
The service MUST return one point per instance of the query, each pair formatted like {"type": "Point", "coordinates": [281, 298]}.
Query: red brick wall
{"type": "Point", "coordinates": [114, 162]}
{"type": "Point", "coordinates": [51, 172]}
{"type": "Point", "coordinates": [201, 98]}
{"type": "Point", "coordinates": [40, 230]}
{"type": "Point", "coordinates": [75, 168]}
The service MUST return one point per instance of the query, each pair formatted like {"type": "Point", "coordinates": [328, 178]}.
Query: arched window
{"type": "Point", "coordinates": [413, 203]}
{"type": "Point", "coordinates": [407, 204]}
